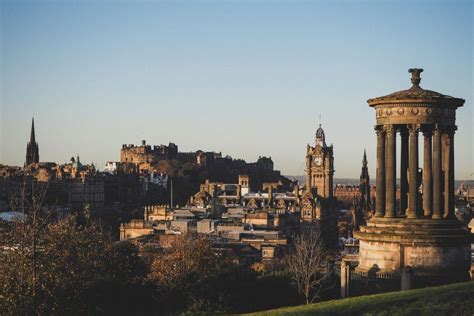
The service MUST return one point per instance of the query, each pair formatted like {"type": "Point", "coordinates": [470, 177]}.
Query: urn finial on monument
{"type": "Point", "coordinates": [415, 76]}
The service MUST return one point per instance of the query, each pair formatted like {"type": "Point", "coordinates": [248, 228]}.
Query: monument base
{"type": "Point", "coordinates": [420, 252]}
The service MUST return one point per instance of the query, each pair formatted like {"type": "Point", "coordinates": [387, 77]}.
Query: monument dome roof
{"type": "Point", "coordinates": [416, 94]}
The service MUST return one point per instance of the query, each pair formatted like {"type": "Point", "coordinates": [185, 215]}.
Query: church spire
{"type": "Point", "coordinates": [32, 150]}
{"type": "Point", "coordinates": [364, 186]}
{"type": "Point", "coordinates": [365, 171]}
{"type": "Point", "coordinates": [32, 136]}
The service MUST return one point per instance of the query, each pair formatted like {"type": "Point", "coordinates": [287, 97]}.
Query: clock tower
{"type": "Point", "coordinates": [317, 204]}
{"type": "Point", "coordinates": [320, 166]}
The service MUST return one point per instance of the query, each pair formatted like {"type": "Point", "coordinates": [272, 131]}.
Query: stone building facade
{"type": "Point", "coordinates": [135, 228]}
{"type": "Point", "coordinates": [146, 153]}
{"type": "Point", "coordinates": [274, 195]}
{"type": "Point", "coordinates": [145, 156]}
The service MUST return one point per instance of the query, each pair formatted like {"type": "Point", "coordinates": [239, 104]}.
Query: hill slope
{"type": "Point", "coordinates": [454, 299]}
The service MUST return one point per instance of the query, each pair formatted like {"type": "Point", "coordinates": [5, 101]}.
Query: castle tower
{"type": "Point", "coordinates": [244, 184]}
{"type": "Point", "coordinates": [423, 244]}
{"type": "Point", "coordinates": [32, 149]}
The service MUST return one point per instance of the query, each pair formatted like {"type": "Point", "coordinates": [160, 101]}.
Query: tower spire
{"type": "Point", "coordinates": [320, 137]}
{"type": "Point", "coordinates": [32, 136]}
{"type": "Point", "coordinates": [364, 189]}
{"type": "Point", "coordinates": [32, 150]}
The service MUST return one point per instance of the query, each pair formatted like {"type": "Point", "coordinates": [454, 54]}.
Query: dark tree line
{"type": "Point", "coordinates": [78, 269]}
{"type": "Point", "coordinates": [72, 266]}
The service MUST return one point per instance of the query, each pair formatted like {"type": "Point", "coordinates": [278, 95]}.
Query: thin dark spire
{"type": "Point", "coordinates": [364, 161]}
{"type": "Point", "coordinates": [32, 151]}
{"type": "Point", "coordinates": [32, 136]}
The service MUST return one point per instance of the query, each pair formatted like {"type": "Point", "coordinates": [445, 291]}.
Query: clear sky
{"type": "Point", "coordinates": [247, 78]}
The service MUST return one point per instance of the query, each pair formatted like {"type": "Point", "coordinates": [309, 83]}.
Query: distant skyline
{"type": "Point", "coordinates": [245, 78]}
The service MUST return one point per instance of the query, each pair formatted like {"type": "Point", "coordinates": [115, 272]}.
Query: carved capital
{"type": "Point", "coordinates": [389, 129]}
{"type": "Point", "coordinates": [403, 130]}
{"type": "Point", "coordinates": [414, 128]}
{"type": "Point", "coordinates": [427, 130]}
{"type": "Point", "coordinates": [379, 130]}
{"type": "Point", "coordinates": [438, 129]}
{"type": "Point", "coordinates": [450, 130]}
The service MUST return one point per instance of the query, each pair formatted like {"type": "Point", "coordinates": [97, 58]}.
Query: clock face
{"type": "Point", "coordinates": [318, 161]}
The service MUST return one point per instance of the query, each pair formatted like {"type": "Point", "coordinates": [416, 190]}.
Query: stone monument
{"type": "Point", "coordinates": [419, 242]}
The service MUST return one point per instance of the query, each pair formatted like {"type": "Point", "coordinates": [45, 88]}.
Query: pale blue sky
{"type": "Point", "coordinates": [247, 78]}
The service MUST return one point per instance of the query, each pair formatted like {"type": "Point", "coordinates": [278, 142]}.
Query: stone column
{"type": "Point", "coordinates": [345, 278]}
{"type": "Point", "coordinates": [451, 174]}
{"type": "Point", "coordinates": [380, 181]}
{"type": "Point", "coordinates": [413, 170]}
{"type": "Point", "coordinates": [390, 169]}
{"type": "Point", "coordinates": [406, 278]}
{"type": "Point", "coordinates": [403, 170]}
{"type": "Point", "coordinates": [427, 173]}
{"type": "Point", "coordinates": [437, 172]}
{"type": "Point", "coordinates": [448, 150]}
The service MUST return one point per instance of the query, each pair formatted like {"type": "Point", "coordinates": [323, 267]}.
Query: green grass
{"type": "Point", "coordinates": [453, 299]}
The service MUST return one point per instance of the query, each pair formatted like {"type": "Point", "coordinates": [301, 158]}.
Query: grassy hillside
{"type": "Point", "coordinates": [454, 299]}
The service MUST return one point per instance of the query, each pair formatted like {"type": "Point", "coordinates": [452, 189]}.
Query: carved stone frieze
{"type": "Point", "coordinates": [408, 114]}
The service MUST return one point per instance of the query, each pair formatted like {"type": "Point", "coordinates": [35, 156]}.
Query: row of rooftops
{"type": "Point", "coordinates": [236, 225]}
{"type": "Point", "coordinates": [50, 170]}
{"type": "Point", "coordinates": [230, 229]}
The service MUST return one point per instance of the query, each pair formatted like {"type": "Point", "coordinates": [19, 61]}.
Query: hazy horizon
{"type": "Point", "coordinates": [247, 79]}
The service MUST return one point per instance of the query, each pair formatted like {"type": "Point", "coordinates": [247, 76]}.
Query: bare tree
{"type": "Point", "coordinates": [61, 267]}
{"type": "Point", "coordinates": [29, 199]}
{"type": "Point", "coordinates": [308, 263]}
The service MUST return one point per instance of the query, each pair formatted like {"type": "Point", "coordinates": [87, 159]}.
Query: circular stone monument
{"type": "Point", "coordinates": [418, 239]}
